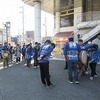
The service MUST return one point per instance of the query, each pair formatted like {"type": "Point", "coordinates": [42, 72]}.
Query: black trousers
{"type": "Point", "coordinates": [66, 66]}
{"type": "Point", "coordinates": [44, 72]}
{"type": "Point", "coordinates": [93, 69]}
{"type": "Point", "coordinates": [28, 63]}
{"type": "Point", "coordinates": [35, 61]}
{"type": "Point", "coordinates": [18, 59]}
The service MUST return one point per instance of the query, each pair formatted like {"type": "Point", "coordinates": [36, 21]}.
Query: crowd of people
{"type": "Point", "coordinates": [9, 54]}
{"type": "Point", "coordinates": [73, 51]}
{"type": "Point", "coordinates": [42, 52]}
{"type": "Point", "coordinates": [39, 53]}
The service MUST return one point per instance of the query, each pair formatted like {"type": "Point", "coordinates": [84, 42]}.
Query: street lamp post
{"type": "Point", "coordinates": [78, 36]}
{"type": "Point", "coordinates": [23, 21]}
{"type": "Point", "coordinates": [7, 25]}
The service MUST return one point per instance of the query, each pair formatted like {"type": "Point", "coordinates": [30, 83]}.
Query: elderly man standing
{"type": "Point", "coordinates": [71, 52]}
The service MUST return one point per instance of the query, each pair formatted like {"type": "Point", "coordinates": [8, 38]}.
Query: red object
{"type": "Point", "coordinates": [63, 34]}
{"type": "Point", "coordinates": [62, 37]}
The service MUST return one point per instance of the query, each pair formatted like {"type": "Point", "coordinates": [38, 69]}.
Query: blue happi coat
{"type": "Point", "coordinates": [94, 55]}
{"type": "Point", "coordinates": [28, 54]}
{"type": "Point", "coordinates": [72, 50]}
{"type": "Point", "coordinates": [45, 52]}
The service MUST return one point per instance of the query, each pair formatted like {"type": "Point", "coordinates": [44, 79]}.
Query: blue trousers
{"type": "Point", "coordinates": [72, 66]}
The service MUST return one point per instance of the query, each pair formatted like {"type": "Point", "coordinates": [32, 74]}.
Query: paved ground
{"type": "Point", "coordinates": [21, 83]}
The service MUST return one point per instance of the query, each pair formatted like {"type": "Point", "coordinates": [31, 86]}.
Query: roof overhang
{"type": "Point", "coordinates": [46, 5]}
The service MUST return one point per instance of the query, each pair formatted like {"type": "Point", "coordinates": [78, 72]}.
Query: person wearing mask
{"type": "Point", "coordinates": [71, 52]}
{"type": "Point", "coordinates": [43, 59]}
{"type": "Point", "coordinates": [84, 47]}
{"type": "Point", "coordinates": [94, 58]}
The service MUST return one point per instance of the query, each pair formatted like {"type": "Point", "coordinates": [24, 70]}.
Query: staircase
{"type": "Point", "coordinates": [92, 34]}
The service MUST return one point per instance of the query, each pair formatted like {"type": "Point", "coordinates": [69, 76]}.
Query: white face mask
{"type": "Point", "coordinates": [89, 42]}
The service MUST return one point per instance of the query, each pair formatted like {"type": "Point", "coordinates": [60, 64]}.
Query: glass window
{"type": "Point", "coordinates": [66, 21]}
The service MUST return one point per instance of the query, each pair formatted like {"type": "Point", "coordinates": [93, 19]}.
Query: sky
{"type": "Point", "coordinates": [11, 10]}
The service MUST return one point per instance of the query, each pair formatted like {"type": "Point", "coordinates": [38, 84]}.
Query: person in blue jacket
{"type": "Point", "coordinates": [0, 51]}
{"type": "Point", "coordinates": [43, 60]}
{"type": "Point", "coordinates": [71, 52]}
{"type": "Point", "coordinates": [84, 47]}
{"type": "Point", "coordinates": [23, 52]}
{"type": "Point", "coordinates": [36, 50]}
{"type": "Point", "coordinates": [28, 55]}
{"type": "Point", "coordinates": [94, 58]}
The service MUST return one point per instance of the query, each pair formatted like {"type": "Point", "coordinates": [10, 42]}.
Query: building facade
{"type": "Point", "coordinates": [80, 17]}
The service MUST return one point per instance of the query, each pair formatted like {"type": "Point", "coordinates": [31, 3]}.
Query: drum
{"type": "Point", "coordinates": [83, 57]}
{"type": "Point", "coordinates": [5, 55]}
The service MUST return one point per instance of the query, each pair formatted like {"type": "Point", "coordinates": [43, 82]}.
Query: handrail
{"type": "Point", "coordinates": [93, 28]}
{"type": "Point", "coordinates": [97, 23]}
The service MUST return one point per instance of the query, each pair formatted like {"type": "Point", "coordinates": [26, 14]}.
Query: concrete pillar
{"type": "Point", "coordinates": [57, 22]}
{"type": "Point", "coordinates": [57, 15]}
{"type": "Point", "coordinates": [78, 15]}
{"type": "Point", "coordinates": [37, 31]}
{"type": "Point", "coordinates": [78, 12]}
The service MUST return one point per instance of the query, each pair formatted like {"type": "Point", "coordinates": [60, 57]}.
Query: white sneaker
{"type": "Point", "coordinates": [38, 66]}
{"type": "Point", "coordinates": [95, 76]}
{"type": "Point", "coordinates": [86, 72]}
{"type": "Point", "coordinates": [70, 81]}
{"type": "Point", "coordinates": [17, 63]}
{"type": "Point", "coordinates": [91, 78]}
{"type": "Point", "coordinates": [10, 65]}
{"type": "Point", "coordinates": [5, 66]}
{"type": "Point", "coordinates": [76, 82]}
{"type": "Point", "coordinates": [34, 66]}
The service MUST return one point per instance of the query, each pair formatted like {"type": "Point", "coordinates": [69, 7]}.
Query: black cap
{"type": "Point", "coordinates": [80, 40]}
{"type": "Point", "coordinates": [71, 39]}
{"type": "Point", "coordinates": [48, 41]}
{"type": "Point", "coordinates": [95, 46]}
